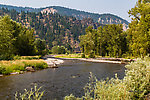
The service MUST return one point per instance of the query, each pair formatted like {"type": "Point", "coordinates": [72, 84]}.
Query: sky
{"type": "Point", "coordinates": [116, 7]}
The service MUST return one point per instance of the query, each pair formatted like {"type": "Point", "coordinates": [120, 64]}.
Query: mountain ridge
{"type": "Point", "coordinates": [106, 18]}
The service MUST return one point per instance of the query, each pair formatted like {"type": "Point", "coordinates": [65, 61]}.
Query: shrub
{"type": "Point", "coordinates": [30, 95]}
{"type": "Point", "coordinates": [17, 57]}
{"type": "Point", "coordinates": [2, 69]}
{"type": "Point", "coordinates": [137, 78]}
{"type": "Point", "coordinates": [41, 65]}
{"type": "Point", "coordinates": [59, 50]}
{"type": "Point", "coordinates": [82, 55]}
{"type": "Point", "coordinates": [134, 86]}
{"type": "Point", "coordinates": [37, 64]}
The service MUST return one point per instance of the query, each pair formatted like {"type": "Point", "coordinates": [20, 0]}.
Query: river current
{"type": "Point", "coordinates": [69, 78]}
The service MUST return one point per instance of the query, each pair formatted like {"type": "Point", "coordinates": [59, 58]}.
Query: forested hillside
{"type": "Point", "coordinates": [59, 25]}
{"type": "Point", "coordinates": [101, 18]}
{"type": "Point", "coordinates": [54, 28]}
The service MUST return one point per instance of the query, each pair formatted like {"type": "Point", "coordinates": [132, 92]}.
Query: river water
{"type": "Point", "coordinates": [69, 78]}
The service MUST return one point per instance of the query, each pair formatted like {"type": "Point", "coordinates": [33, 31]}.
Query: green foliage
{"type": "Point", "coordinates": [134, 86]}
{"type": "Point", "coordinates": [6, 38]}
{"type": "Point", "coordinates": [53, 28]}
{"type": "Point", "coordinates": [82, 55]}
{"type": "Point", "coordinates": [59, 50]}
{"type": "Point", "coordinates": [40, 46]}
{"type": "Point", "coordinates": [91, 54]}
{"type": "Point", "coordinates": [69, 56]}
{"type": "Point", "coordinates": [33, 94]}
{"type": "Point", "coordinates": [25, 57]}
{"type": "Point", "coordinates": [25, 42]}
{"type": "Point", "coordinates": [36, 64]}
{"type": "Point", "coordinates": [139, 29]}
{"type": "Point", "coordinates": [16, 39]}
{"type": "Point", "coordinates": [137, 78]}
{"type": "Point", "coordinates": [2, 69]}
{"type": "Point", "coordinates": [109, 40]}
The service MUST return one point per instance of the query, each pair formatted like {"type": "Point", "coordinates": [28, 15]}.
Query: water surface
{"type": "Point", "coordinates": [69, 78]}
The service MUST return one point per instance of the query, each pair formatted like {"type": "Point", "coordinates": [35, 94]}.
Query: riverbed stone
{"type": "Point", "coordinates": [1, 75]}
{"type": "Point", "coordinates": [30, 69]}
{"type": "Point", "coordinates": [14, 73]}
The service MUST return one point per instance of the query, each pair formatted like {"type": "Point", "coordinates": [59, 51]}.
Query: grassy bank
{"type": "Point", "coordinates": [26, 57]}
{"type": "Point", "coordinates": [7, 67]}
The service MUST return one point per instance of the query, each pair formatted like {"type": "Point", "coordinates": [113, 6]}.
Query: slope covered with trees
{"type": "Point", "coordinates": [52, 27]}
{"type": "Point", "coordinates": [102, 18]}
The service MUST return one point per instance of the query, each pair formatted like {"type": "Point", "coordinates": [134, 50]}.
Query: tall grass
{"type": "Point", "coordinates": [7, 67]}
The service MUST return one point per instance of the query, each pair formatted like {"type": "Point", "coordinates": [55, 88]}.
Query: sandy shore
{"type": "Point", "coordinates": [95, 60]}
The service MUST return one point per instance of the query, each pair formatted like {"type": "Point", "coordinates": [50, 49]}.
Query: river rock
{"type": "Point", "coordinates": [14, 73]}
{"type": "Point", "coordinates": [21, 72]}
{"type": "Point", "coordinates": [52, 63]}
{"type": "Point", "coordinates": [1, 75]}
{"type": "Point", "coordinates": [30, 69]}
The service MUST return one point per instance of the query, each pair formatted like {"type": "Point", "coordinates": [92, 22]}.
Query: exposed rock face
{"type": "Point", "coordinates": [49, 10]}
{"type": "Point", "coordinates": [109, 20]}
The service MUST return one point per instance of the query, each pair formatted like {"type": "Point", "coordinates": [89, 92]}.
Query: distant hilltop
{"type": "Point", "coordinates": [101, 18]}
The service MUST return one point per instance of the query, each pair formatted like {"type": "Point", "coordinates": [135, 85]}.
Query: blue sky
{"type": "Point", "coordinates": [117, 7]}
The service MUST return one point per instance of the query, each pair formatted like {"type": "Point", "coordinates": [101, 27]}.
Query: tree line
{"type": "Point", "coordinates": [108, 40]}
{"type": "Point", "coordinates": [16, 39]}
{"type": "Point", "coordinates": [111, 40]}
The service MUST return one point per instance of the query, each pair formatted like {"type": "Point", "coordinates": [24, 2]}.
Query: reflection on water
{"type": "Point", "coordinates": [69, 78]}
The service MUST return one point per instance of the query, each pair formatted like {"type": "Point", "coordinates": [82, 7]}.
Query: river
{"type": "Point", "coordinates": [69, 78]}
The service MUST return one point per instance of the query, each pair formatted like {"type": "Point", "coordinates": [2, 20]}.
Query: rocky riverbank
{"type": "Point", "coordinates": [53, 63]}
